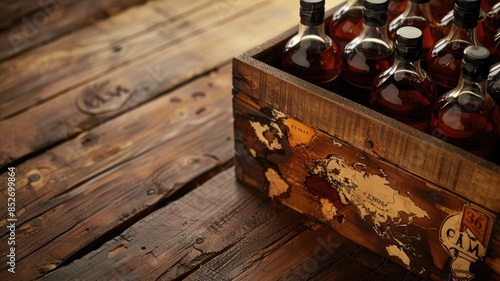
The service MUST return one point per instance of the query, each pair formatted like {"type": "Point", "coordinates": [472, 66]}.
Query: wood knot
{"type": "Point", "coordinates": [193, 161]}
{"type": "Point", "coordinates": [36, 222]}
{"type": "Point", "coordinates": [368, 143]}
{"type": "Point", "coordinates": [198, 95]}
{"type": "Point", "coordinates": [34, 177]}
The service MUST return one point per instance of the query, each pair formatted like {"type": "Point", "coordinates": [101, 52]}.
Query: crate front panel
{"type": "Point", "coordinates": [427, 157]}
{"type": "Point", "coordinates": [374, 203]}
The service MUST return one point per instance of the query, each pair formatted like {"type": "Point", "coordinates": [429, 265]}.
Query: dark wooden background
{"type": "Point", "coordinates": [117, 118]}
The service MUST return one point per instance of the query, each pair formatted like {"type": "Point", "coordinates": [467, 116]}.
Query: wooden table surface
{"type": "Point", "coordinates": [117, 119]}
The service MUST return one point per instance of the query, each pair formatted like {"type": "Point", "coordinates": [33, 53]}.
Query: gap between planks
{"type": "Point", "coordinates": [223, 231]}
{"type": "Point", "coordinates": [173, 140]}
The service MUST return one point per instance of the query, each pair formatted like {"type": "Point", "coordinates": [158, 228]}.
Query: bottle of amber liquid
{"type": "Point", "coordinates": [405, 91]}
{"type": "Point", "coordinates": [347, 22]}
{"type": "Point", "coordinates": [464, 116]}
{"type": "Point", "coordinates": [494, 83]}
{"type": "Point", "coordinates": [494, 92]}
{"type": "Point", "coordinates": [491, 27]}
{"type": "Point", "coordinates": [367, 55]}
{"type": "Point", "coordinates": [445, 24]}
{"type": "Point", "coordinates": [311, 54]}
{"type": "Point", "coordinates": [417, 13]}
{"type": "Point", "coordinates": [443, 61]}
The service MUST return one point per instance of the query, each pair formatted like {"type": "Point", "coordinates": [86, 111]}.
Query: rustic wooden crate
{"type": "Point", "coordinates": [404, 194]}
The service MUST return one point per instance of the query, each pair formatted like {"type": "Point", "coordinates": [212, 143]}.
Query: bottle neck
{"type": "Point", "coordinates": [317, 31]}
{"type": "Point", "coordinates": [376, 32]}
{"type": "Point", "coordinates": [471, 87]}
{"type": "Point", "coordinates": [463, 34]}
{"type": "Point", "coordinates": [401, 63]}
{"type": "Point", "coordinates": [419, 10]}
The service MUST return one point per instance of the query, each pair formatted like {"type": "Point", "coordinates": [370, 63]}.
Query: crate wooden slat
{"type": "Point", "coordinates": [223, 231]}
{"type": "Point", "coordinates": [99, 98]}
{"type": "Point", "coordinates": [30, 23]}
{"type": "Point", "coordinates": [294, 138]}
{"type": "Point", "coordinates": [103, 181]}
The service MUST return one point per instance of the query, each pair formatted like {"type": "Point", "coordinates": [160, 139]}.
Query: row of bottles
{"type": "Point", "coordinates": [404, 66]}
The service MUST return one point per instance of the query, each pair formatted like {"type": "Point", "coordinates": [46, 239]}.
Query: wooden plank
{"type": "Point", "coordinates": [126, 137]}
{"type": "Point", "coordinates": [52, 69]}
{"type": "Point", "coordinates": [118, 91]}
{"type": "Point", "coordinates": [109, 177]}
{"type": "Point", "coordinates": [375, 134]}
{"type": "Point", "coordinates": [44, 20]}
{"type": "Point", "coordinates": [41, 74]}
{"type": "Point", "coordinates": [366, 199]}
{"type": "Point", "coordinates": [220, 231]}
{"type": "Point", "coordinates": [126, 87]}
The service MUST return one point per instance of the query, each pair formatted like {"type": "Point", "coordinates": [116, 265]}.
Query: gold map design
{"type": "Point", "coordinates": [373, 197]}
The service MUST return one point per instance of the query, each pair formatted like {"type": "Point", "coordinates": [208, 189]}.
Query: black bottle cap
{"type": "Point", "coordinates": [466, 13]}
{"type": "Point", "coordinates": [375, 12]}
{"type": "Point", "coordinates": [476, 63]}
{"type": "Point", "coordinates": [312, 12]}
{"type": "Point", "coordinates": [420, 1]}
{"type": "Point", "coordinates": [408, 43]}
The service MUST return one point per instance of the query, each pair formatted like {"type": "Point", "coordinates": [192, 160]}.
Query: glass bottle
{"type": "Point", "coordinates": [417, 13]}
{"type": "Point", "coordinates": [464, 116]}
{"type": "Point", "coordinates": [495, 46]}
{"type": "Point", "coordinates": [311, 54]}
{"type": "Point", "coordinates": [346, 23]}
{"type": "Point", "coordinates": [367, 55]}
{"type": "Point", "coordinates": [405, 91]}
{"type": "Point", "coordinates": [494, 83]}
{"type": "Point", "coordinates": [445, 24]}
{"type": "Point", "coordinates": [443, 61]}
{"type": "Point", "coordinates": [494, 92]}
{"type": "Point", "coordinates": [491, 26]}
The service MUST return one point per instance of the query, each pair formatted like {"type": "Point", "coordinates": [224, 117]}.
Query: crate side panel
{"type": "Point", "coordinates": [371, 132]}
{"type": "Point", "coordinates": [377, 205]}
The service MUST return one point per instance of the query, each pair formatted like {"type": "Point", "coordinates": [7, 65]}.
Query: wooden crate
{"type": "Point", "coordinates": [401, 193]}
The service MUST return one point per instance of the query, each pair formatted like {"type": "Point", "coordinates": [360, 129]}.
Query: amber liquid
{"type": "Point", "coordinates": [482, 33]}
{"type": "Point", "coordinates": [401, 100]}
{"type": "Point", "coordinates": [396, 7]}
{"type": "Point", "coordinates": [315, 67]}
{"type": "Point", "coordinates": [439, 8]}
{"type": "Point", "coordinates": [467, 126]}
{"type": "Point", "coordinates": [444, 64]}
{"type": "Point", "coordinates": [346, 28]}
{"type": "Point", "coordinates": [359, 72]}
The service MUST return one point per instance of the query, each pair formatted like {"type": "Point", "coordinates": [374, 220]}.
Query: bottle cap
{"type": "Point", "coordinates": [420, 1]}
{"type": "Point", "coordinates": [466, 13]}
{"type": "Point", "coordinates": [476, 63]}
{"type": "Point", "coordinates": [375, 12]}
{"type": "Point", "coordinates": [408, 43]}
{"type": "Point", "coordinates": [312, 12]}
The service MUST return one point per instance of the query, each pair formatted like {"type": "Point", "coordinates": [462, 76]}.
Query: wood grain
{"type": "Point", "coordinates": [377, 205]}
{"type": "Point", "coordinates": [62, 117]}
{"type": "Point", "coordinates": [222, 231]}
{"type": "Point", "coordinates": [78, 192]}
{"type": "Point", "coordinates": [375, 134]}
{"type": "Point", "coordinates": [43, 73]}
{"type": "Point", "coordinates": [32, 23]}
